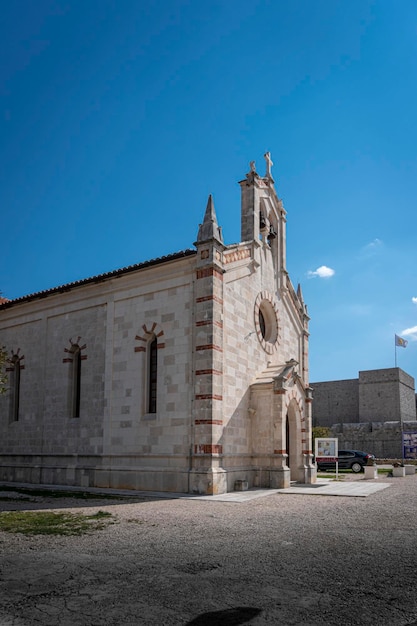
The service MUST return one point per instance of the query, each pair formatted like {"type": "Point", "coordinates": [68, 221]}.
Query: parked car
{"type": "Point", "coordinates": [354, 460]}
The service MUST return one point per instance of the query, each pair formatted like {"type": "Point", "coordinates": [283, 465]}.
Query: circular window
{"type": "Point", "coordinates": [266, 321]}
{"type": "Point", "coordinates": [262, 323]}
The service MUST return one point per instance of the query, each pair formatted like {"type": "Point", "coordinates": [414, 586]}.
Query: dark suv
{"type": "Point", "coordinates": [348, 459]}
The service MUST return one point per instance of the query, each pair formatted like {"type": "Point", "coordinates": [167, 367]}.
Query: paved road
{"type": "Point", "coordinates": [281, 559]}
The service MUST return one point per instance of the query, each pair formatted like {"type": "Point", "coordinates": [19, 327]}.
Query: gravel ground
{"type": "Point", "coordinates": [282, 559]}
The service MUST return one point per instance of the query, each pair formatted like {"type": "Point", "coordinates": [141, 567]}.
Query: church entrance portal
{"type": "Point", "coordinates": [293, 438]}
{"type": "Point", "coordinates": [287, 441]}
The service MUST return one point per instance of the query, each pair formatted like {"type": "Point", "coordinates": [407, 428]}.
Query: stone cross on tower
{"type": "Point", "coordinates": [269, 164]}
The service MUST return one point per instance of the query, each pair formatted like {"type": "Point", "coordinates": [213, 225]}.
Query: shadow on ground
{"type": "Point", "coordinates": [14, 498]}
{"type": "Point", "coordinates": [228, 617]}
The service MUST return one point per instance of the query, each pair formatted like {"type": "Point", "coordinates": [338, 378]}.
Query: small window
{"type": "Point", "coordinates": [152, 375]}
{"type": "Point", "coordinates": [76, 381]}
{"type": "Point", "coordinates": [345, 454]}
{"type": "Point", "coordinates": [15, 389]}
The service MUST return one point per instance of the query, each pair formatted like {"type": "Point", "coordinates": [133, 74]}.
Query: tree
{"type": "Point", "coordinates": [321, 432]}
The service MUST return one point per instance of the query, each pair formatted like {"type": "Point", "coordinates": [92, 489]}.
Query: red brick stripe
{"type": "Point", "coordinates": [209, 322]}
{"type": "Point", "coordinates": [206, 298]}
{"type": "Point", "coordinates": [208, 396]}
{"type": "Point", "coordinates": [208, 448]}
{"type": "Point", "coordinates": [209, 271]}
{"type": "Point", "coordinates": [209, 346]}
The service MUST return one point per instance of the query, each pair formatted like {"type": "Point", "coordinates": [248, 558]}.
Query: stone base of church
{"type": "Point", "coordinates": [96, 471]}
{"type": "Point", "coordinates": [210, 482]}
{"type": "Point", "coordinates": [164, 474]}
{"type": "Point", "coordinates": [280, 478]}
{"type": "Point", "coordinates": [304, 474]}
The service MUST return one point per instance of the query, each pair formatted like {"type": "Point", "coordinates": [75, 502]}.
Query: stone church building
{"type": "Point", "coordinates": [185, 373]}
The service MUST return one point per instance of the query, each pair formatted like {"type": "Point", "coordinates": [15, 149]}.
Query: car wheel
{"type": "Point", "coordinates": [356, 467]}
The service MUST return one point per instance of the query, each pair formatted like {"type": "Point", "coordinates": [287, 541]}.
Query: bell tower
{"type": "Point", "coordinates": [263, 217]}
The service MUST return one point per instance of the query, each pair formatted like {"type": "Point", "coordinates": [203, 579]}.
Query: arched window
{"type": "Point", "coordinates": [152, 375]}
{"type": "Point", "coordinates": [76, 381]}
{"type": "Point", "coordinates": [74, 358]}
{"type": "Point", "coordinates": [15, 388]}
{"type": "Point", "coordinates": [151, 342]}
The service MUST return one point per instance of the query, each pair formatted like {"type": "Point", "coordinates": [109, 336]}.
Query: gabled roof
{"type": "Point", "coordinates": [6, 304]}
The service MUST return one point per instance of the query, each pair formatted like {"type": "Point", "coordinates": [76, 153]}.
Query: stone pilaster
{"type": "Point", "coordinates": [207, 475]}
{"type": "Point", "coordinates": [280, 472]}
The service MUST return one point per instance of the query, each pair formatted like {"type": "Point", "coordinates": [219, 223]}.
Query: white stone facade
{"type": "Point", "coordinates": [186, 373]}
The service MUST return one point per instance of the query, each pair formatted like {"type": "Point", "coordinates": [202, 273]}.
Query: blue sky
{"type": "Point", "coordinates": [118, 118]}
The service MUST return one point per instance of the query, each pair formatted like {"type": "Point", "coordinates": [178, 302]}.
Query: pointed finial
{"type": "Point", "coordinates": [210, 229]}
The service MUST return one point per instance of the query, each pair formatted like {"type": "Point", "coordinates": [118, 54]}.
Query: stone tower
{"type": "Point", "coordinates": [252, 402]}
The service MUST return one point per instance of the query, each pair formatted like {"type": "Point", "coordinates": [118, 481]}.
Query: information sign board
{"type": "Point", "coordinates": [409, 444]}
{"type": "Point", "coordinates": [326, 449]}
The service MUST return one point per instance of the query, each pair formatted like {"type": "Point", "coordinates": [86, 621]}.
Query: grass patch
{"type": "Point", "coordinates": [381, 470]}
{"type": "Point", "coordinates": [332, 474]}
{"type": "Point", "coordinates": [49, 523]}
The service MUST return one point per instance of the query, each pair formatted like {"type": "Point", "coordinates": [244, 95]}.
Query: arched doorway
{"type": "Point", "coordinates": [287, 441]}
{"type": "Point", "coordinates": [293, 440]}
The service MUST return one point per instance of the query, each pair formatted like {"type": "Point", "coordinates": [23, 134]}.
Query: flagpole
{"type": "Point", "coordinates": [399, 341]}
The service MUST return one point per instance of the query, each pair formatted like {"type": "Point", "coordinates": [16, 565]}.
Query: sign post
{"type": "Point", "coordinates": [327, 449]}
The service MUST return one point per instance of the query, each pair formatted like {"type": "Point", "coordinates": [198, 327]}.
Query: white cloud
{"type": "Point", "coordinates": [410, 332]}
{"type": "Point", "coordinates": [322, 272]}
{"type": "Point", "coordinates": [376, 243]}
{"type": "Point", "coordinates": [372, 247]}
{"type": "Point", "coordinates": [414, 300]}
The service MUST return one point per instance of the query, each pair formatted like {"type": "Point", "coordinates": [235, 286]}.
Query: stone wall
{"type": "Point", "coordinates": [335, 401]}
{"type": "Point", "coordinates": [383, 395]}
{"type": "Point", "coordinates": [114, 441]}
{"type": "Point", "coordinates": [386, 395]}
{"type": "Point", "coordinates": [383, 439]}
